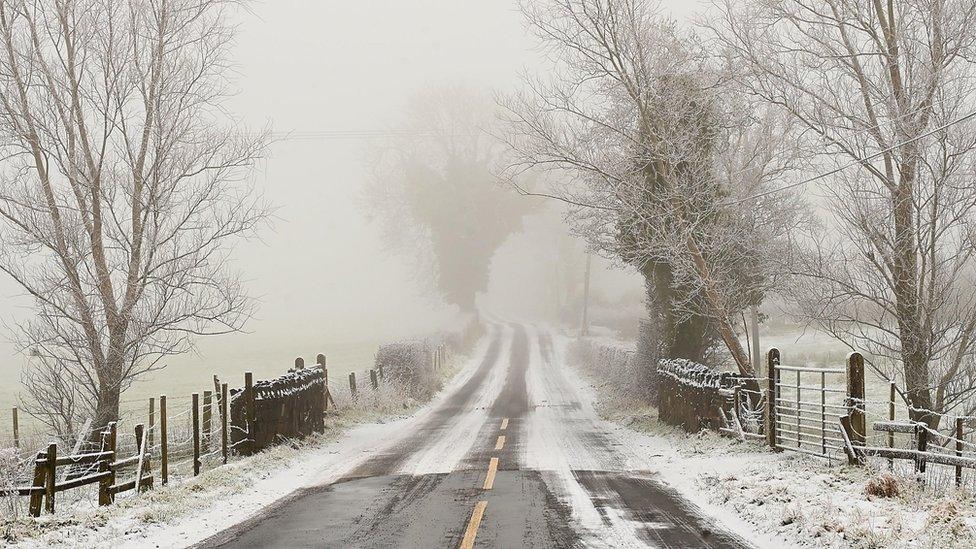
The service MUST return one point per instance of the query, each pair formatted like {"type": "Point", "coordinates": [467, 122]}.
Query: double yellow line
{"type": "Point", "coordinates": [467, 542]}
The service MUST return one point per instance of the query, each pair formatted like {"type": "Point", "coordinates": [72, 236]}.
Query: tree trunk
{"type": "Point", "coordinates": [680, 336]}
{"type": "Point", "coordinates": [906, 290]}
{"type": "Point", "coordinates": [720, 312]}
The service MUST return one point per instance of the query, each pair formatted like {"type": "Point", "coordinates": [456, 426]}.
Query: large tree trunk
{"type": "Point", "coordinates": [679, 336]}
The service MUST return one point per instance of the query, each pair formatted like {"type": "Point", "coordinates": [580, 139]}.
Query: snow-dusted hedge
{"type": "Point", "coordinates": [409, 366]}
{"type": "Point", "coordinates": [619, 368]}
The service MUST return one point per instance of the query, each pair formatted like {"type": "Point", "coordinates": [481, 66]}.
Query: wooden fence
{"type": "Point", "coordinates": [212, 425]}
{"type": "Point", "coordinates": [290, 406]}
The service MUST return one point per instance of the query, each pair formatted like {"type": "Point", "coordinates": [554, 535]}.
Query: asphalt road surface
{"type": "Point", "coordinates": [510, 457]}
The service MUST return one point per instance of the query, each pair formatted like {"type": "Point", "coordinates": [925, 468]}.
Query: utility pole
{"type": "Point", "coordinates": [585, 321]}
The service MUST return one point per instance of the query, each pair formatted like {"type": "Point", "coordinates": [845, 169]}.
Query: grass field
{"type": "Point", "coordinates": [187, 374]}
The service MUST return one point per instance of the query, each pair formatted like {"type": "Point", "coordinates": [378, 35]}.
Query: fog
{"type": "Point", "coordinates": [320, 272]}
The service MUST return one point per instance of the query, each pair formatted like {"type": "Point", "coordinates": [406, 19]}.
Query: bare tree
{"type": "Point", "coordinates": [661, 157]}
{"type": "Point", "coordinates": [885, 91]}
{"type": "Point", "coordinates": [122, 191]}
{"type": "Point", "coordinates": [435, 193]}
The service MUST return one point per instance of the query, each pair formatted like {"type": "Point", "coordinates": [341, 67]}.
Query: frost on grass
{"type": "Point", "coordinates": [817, 504]}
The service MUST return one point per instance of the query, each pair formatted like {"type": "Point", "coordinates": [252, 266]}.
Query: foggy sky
{"type": "Point", "coordinates": [303, 65]}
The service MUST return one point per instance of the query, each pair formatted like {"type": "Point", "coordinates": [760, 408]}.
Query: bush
{"type": "Point", "coordinates": [884, 485]}
{"type": "Point", "coordinates": [409, 365]}
{"type": "Point", "coordinates": [618, 367]}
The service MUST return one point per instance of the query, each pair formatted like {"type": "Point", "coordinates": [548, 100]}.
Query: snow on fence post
{"type": "Point", "coordinates": [772, 361]}
{"type": "Point", "coordinates": [196, 433]}
{"type": "Point", "coordinates": [855, 397]}
{"type": "Point", "coordinates": [163, 442]}
{"type": "Point", "coordinates": [223, 421]}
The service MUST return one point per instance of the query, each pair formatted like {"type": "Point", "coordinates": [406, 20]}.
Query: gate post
{"type": "Point", "coordinates": [772, 391]}
{"type": "Point", "coordinates": [855, 397]}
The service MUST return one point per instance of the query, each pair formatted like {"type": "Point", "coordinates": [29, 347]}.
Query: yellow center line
{"type": "Point", "coordinates": [501, 442]}
{"type": "Point", "coordinates": [490, 478]}
{"type": "Point", "coordinates": [504, 424]}
{"type": "Point", "coordinates": [468, 541]}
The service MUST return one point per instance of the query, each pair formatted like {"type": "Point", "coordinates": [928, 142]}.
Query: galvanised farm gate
{"type": "Point", "coordinates": [807, 408]}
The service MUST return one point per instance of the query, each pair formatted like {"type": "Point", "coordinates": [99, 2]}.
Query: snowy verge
{"type": "Point", "coordinates": [794, 500]}
{"type": "Point", "coordinates": [187, 512]}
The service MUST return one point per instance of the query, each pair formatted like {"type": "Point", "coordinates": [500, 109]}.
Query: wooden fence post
{"type": "Point", "coordinates": [223, 421]}
{"type": "Point", "coordinates": [105, 465]}
{"type": "Point", "coordinates": [142, 466]}
{"type": "Point", "coordinates": [891, 417]}
{"type": "Point", "coordinates": [37, 496]}
{"type": "Point", "coordinates": [380, 369]}
{"type": "Point", "coordinates": [922, 440]}
{"type": "Point", "coordinates": [207, 415]}
{"type": "Point", "coordinates": [855, 397]}
{"type": "Point", "coordinates": [112, 437]}
{"type": "Point", "coordinates": [249, 411]}
{"type": "Point", "coordinates": [152, 422]}
{"type": "Point", "coordinates": [320, 360]}
{"type": "Point", "coordinates": [372, 379]}
{"type": "Point", "coordinates": [163, 442]}
{"type": "Point", "coordinates": [50, 477]}
{"type": "Point", "coordinates": [16, 428]}
{"type": "Point", "coordinates": [772, 361]}
{"type": "Point", "coordinates": [196, 433]}
{"type": "Point", "coordinates": [959, 450]}
{"type": "Point", "coordinates": [352, 384]}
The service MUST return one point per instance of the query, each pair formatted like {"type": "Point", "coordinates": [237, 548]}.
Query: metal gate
{"type": "Point", "coordinates": [806, 409]}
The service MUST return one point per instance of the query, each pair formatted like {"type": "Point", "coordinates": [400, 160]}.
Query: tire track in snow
{"type": "Point", "coordinates": [511, 403]}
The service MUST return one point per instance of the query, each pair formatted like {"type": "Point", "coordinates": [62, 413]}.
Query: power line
{"type": "Point", "coordinates": [859, 161]}
{"type": "Point", "coordinates": [327, 135]}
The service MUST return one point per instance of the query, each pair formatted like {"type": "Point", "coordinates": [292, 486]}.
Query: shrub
{"type": "Point", "coordinates": [409, 365]}
{"type": "Point", "coordinates": [884, 485]}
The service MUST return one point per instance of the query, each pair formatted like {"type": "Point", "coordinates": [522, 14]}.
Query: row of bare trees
{"type": "Point", "coordinates": [819, 149]}
{"type": "Point", "coordinates": [123, 185]}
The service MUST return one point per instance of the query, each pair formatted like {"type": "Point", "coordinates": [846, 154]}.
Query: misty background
{"type": "Point", "coordinates": [320, 74]}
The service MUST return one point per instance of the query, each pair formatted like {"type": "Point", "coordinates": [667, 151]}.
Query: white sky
{"type": "Point", "coordinates": [327, 65]}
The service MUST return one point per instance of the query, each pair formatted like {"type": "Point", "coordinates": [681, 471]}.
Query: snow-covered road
{"type": "Point", "coordinates": [511, 454]}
